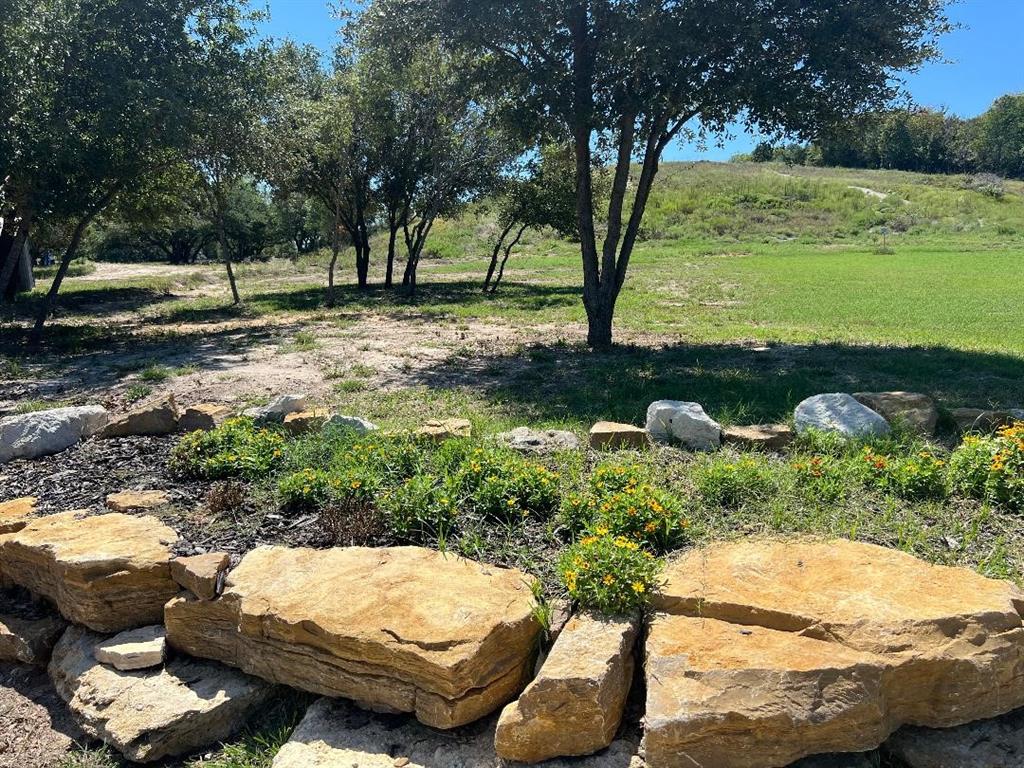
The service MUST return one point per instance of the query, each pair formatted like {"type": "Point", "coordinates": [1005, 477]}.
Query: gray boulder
{"type": "Point", "coordinates": [43, 433]}
{"type": "Point", "coordinates": [277, 409]}
{"type": "Point", "coordinates": [526, 440]}
{"type": "Point", "coordinates": [841, 413]}
{"type": "Point", "coordinates": [669, 420]}
{"type": "Point", "coordinates": [997, 743]}
{"type": "Point", "coordinates": [355, 423]}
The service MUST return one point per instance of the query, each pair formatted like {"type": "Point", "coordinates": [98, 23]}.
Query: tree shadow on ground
{"type": "Point", "coordinates": [92, 300]}
{"type": "Point", "coordinates": [431, 298]}
{"type": "Point", "coordinates": [734, 383]}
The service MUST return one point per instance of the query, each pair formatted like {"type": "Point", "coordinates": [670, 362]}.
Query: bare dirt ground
{"type": "Point", "coordinates": [37, 730]}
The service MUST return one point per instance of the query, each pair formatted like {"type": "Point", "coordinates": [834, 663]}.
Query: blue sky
{"type": "Point", "coordinates": [984, 58]}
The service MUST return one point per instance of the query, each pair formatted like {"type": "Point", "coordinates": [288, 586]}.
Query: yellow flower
{"type": "Point", "coordinates": [356, 484]}
{"type": "Point", "coordinates": [587, 541]}
{"type": "Point", "coordinates": [651, 527]}
{"type": "Point", "coordinates": [608, 579]}
{"type": "Point", "coordinates": [638, 587]}
{"type": "Point", "coordinates": [601, 530]}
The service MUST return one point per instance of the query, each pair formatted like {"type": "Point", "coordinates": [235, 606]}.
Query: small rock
{"type": "Point", "coordinates": [574, 706]}
{"type": "Point", "coordinates": [15, 514]}
{"type": "Point", "coordinates": [140, 648]}
{"type": "Point", "coordinates": [613, 436]}
{"type": "Point", "coordinates": [278, 409]}
{"type": "Point", "coordinates": [156, 419]}
{"type": "Point", "coordinates": [137, 501]}
{"type": "Point", "coordinates": [997, 743]}
{"type": "Point", "coordinates": [202, 575]}
{"type": "Point", "coordinates": [766, 437]}
{"type": "Point", "coordinates": [979, 420]}
{"type": "Point", "coordinates": [687, 423]}
{"type": "Point", "coordinates": [915, 410]}
{"type": "Point", "coordinates": [43, 433]}
{"type": "Point", "coordinates": [151, 714]}
{"type": "Point", "coordinates": [528, 440]}
{"type": "Point", "coordinates": [445, 428]}
{"type": "Point", "coordinates": [204, 416]}
{"type": "Point", "coordinates": [841, 413]}
{"type": "Point", "coordinates": [302, 422]}
{"type": "Point", "coordinates": [29, 639]}
{"type": "Point", "coordinates": [355, 423]}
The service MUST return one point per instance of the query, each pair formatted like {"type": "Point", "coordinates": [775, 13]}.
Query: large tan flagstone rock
{"type": "Point", "coordinates": [610, 435]}
{"type": "Point", "coordinates": [150, 714]}
{"type": "Point", "coordinates": [204, 416]}
{"type": "Point", "coordinates": [202, 575]}
{"type": "Point", "coordinates": [850, 641]}
{"type": "Point", "coordinates": [137, 501]}
{"type": "Point", "coordinates": [403, 629]}
{"type": "Point", "coordinates": [574, 706]}
{"type": "Point", "coordinates": [27, 633]}
{"type": "Point", "coordinates": [109, 572]}
{"type": "Point", "coordinates": [154, 419]}
{"type": "Point", "coordinates": [335, 734]}
{"type": "Point", "coordinates": [917, 411]}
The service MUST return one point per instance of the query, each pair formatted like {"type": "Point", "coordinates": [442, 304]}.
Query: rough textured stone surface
{"type": "Point", "coordinates": [334, 734]}
{"type": "Point", "coordinates": [140, 648]}
{"type": "Point", "coordinates": [686, 423]}
{"type": "Point", "coordinates": [915, 410]}
{"type": "Point", "coordinates": [277, 409]}
{"type": "Point", "coordinates": [574, 706]}
{"type": "Point", "coordinates": [154, 419]}
{"type": "Point", "coordinates": [151, 714]}
{"type": "Point", "coordinates": [43, 433]}
{"type": "Point", "coordinates": [28, 640]}
{"type": "Point", "coordinates": [840, 413]}
{"type": "Point", "coordinates": [109, 572]}
{"type": "Point", "coordinates": [526, 440]}
{"type": "Point", "coordinates": [302, 422]}
{"type": "Point", "coordinates": [445, 428]}
{"type": "Point", "coordinates": [980, 420]}
{"type": "Point", "coordinates": [614, 436]}
{"type": "Point", "coordinates": [834, 645]}
{"type": "Point", "coordinates": [403, 629]}
{"type": "Point", "coordinates": [204, 416]}
{"type": "Point", "coordinates": [846, 760]}
{"type": "Point", "coordinates": [997, 743]}
{"type": "Point", "coordinates": [355, 423]}
{"type": "Point", "coordinates": [202, 575]}
{"type": "Point", "coordinates": [137, 501]}
{"type": "Point", "coordinates": [15, 514]}
{"type": "Point", "coordinates": [767, 437]}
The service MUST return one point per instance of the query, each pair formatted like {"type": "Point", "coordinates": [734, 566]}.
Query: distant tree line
{"type": "Point", "coordinates": [922, 140]}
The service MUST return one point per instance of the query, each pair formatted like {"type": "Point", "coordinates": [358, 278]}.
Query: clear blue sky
{"type": "Point", "coordinates": [984, 58]}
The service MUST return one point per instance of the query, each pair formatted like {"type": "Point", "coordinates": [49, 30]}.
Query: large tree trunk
{"type": "Point", "coordinates": [393, 227]}
{"type": "Point", "coordinates": [10, 259]}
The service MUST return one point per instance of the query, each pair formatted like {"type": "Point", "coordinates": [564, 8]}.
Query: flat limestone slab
{"type": "Point", "coordinates": [15, 514]}
{"type": "Point", "coordinates": [403, 629]}
{"type": "Point", "coordinates": [944, 646]}
{"type": "Point", "coordinates": [151, 714]}
{"type": "Point", "coordinates": [335, 734]}
{"type": "Point", "coordinates": [133, 649]}
{"type": "Point", "coordinates": [109, 572]}
{"type": "Point", "coordinates": [747, 697]}
{"type": "Point", "coordinates": [574, 706]}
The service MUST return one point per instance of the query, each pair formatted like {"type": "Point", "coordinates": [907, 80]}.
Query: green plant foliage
{"type": "Point", "coordinates": [237, 448]}
{"type": "Point", "coordinates": [822, 478]}
{"type": "Point", "coordinates": [620, 501]}
{"type": "Point", "coordinates": [921, 476]}
{"type": "Point", "coordinates": [991, 468]}
{"type": "Point", "coordinates": [730, 482]}
{"type": "Point", "coordinates": [608, 573]}
{"type": "Point", "coordinates": [421, 509]}
{"type": "Point", "coordinates": [501, 485]}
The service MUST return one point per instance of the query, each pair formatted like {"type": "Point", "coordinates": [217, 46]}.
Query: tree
{"type": "Point", "coordinates": [542, 195]}
{"type": "Point", "coordinates": [633, 75]}
{"type": "Point", "coordinates": [1000, 137]}
{"type": "Point", "coordinates": [108, 94]}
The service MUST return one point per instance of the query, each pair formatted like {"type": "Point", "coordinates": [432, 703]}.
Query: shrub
{"type": "Point", "coordinates": [504, 486]}
{"type": "Point", "coordinates": [991, 468]}
{"type": "Point", "coordinates": [306, 489]}
{"type": "Point", "coordinates": [420, 509]}
{"type": "Point", "coordinates": [237, 448]}
{"type": "Point", "coordinates": [608, 573]}
{"type": "Point", "coordinates": [730, 483]}
{"type": "Point", "coordinates": [823, 478]}
{"type": "Point", "coordinates": [620, 502]}
{"type": "Point", "coordinates": [922, 476]}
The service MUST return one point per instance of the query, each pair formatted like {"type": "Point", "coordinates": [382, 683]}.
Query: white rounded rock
{"type": "Point", "coordinates": [43, 433]}
{"type": "Point", "coordinates": [841, 413]}
{"type": "Point", "coordinates": [687, 423]}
